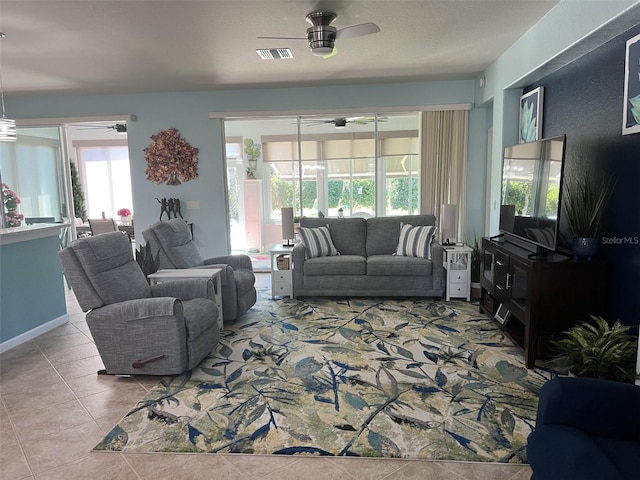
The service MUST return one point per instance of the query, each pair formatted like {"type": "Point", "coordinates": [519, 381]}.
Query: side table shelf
{"type": "Point", "coordinates": [281, 277]}
{"type": "Point", "coordinates": [457, 263]}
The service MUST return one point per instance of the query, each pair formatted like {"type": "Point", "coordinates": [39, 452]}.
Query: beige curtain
{"type": "Point", "coordinates": [444, 162]}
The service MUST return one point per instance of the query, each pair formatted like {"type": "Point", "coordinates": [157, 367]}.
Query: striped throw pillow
{"type": "Point", "coordinates": [415, 241]}
{"type": "Point", "coordinates": [317, 242]}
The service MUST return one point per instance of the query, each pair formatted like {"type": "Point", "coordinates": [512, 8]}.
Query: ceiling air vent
{"type": "Point", "coordinates": [274, 53]}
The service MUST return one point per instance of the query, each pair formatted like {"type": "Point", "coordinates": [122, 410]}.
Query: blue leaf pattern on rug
{"type": "Point", "coordinates": [412, 378]}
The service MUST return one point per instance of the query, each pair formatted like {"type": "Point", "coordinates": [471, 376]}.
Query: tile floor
{"type": "Point", "coordinates": [54, 409]}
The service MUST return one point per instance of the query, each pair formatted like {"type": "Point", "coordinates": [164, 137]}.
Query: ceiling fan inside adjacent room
{"type": "Point", "coordinates": [322, 35]}
{"type": "Point", "coordinates": [341, 122]}
{"type": "Point", "coordinates": [117, 127]}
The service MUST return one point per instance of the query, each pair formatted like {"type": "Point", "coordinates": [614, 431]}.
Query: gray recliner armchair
{"type": "Point", "coordinates": [177, 249]}
{"type": "Point", "coordinates": [162, 329]}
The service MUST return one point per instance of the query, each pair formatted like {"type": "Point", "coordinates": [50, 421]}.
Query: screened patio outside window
{"type": "Point", "coordinates": [343, 173]}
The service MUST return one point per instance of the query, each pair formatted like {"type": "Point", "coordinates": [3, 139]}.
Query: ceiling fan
{"type": "Point", "coordinates": [341, 122]}
{"type": "Point", "coordinates": [118, 127]}
{"type": "Point", "coordinates": [322, 35]}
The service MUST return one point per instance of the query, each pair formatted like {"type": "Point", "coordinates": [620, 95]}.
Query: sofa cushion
{"type": "Point", "coordinates": [317, 242]}
{"type": "Point", "coordinates": [336, 265]}
{"type": "Point", "coordinates": [394, 265]}
{"type": "Point", "coordinates": [383, 232]}
{"type": "Point", "coordinates": [415, 241]}
{"type": "Point", "coordinates": [349, 235]}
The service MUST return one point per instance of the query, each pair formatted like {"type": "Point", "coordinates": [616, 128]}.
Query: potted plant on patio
{"type": "Point", "coordinates": [599, 350]}
{"type": "Point", "coordinates": [585, 199]}
{"type": "Point", "coordinates": [252, 150]}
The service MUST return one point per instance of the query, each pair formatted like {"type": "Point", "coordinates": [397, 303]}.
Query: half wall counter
{"type": "Point", "coordinates": [32, 291]}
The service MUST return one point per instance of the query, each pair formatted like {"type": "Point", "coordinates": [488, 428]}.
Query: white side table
{"type": "Point", "coordinates": [171, 275]}
{"type": "Point", "coordinates": [281, 278]}
{"type": "Point", "coordinates": [457, 263]}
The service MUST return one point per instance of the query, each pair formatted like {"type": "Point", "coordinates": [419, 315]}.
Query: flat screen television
{"type": "Point", "coordinates": [531, 193]}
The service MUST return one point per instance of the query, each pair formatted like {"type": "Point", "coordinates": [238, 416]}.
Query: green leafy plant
{"type": "Point", "coordinates": [585, 199]}
{"type": "Point", "coordinates": [78, 195]}
{"type": "Point", "coordinates": [596, 349]}
{"type": "Point", "coordinates": [252, 149]}
{"type": "Point", "coordinates": [148, 263]}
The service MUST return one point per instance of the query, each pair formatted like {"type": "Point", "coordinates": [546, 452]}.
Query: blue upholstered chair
{"type": "Point", "coordinates": [172, 238]}
{"type": "Point", "coordinates": [586, 429]}
{"type": "Point", "coordinates": [162, 329]}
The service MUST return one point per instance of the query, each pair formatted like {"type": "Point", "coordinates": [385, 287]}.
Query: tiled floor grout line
{"type": "Point", "coordinates": [341, 468]}
{"type": "Point", "coordinates": [124, 458]}
{"type": "Point", "coordinates": [17, 437]}
{"type": "Point", "coordinates": [224, 457]}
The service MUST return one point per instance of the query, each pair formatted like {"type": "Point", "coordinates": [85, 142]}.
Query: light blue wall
{"type": "Point", "coordinates": [189, 113]}
{"type": "Point", "coordinates": [476, 175]}
{"type": "Point", "coordinates": [571, 28]}
{"type": "Point", "coordinates": [31, 286]}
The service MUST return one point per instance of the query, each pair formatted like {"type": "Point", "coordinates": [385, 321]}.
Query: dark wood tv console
{"type": "Point", "coordinates": [540, 295]}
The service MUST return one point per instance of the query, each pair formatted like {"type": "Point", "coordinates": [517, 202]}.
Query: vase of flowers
{"type": "Point", "coordinates": [125, 216]}
{"type": "Point", "coordinates": [11, 201]}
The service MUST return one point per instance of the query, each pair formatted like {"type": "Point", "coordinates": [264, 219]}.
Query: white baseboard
{"type": "Point", "coordinates": [33, 333]}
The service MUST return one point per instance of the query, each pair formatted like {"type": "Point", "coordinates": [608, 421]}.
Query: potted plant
{"type": "Point", "coordinates": [11, 201]}
{"type": "Point", "coordinates": [148, 263]}
{"type": "Point", "coordinates": [125, 216]}
{"type": "Point", "coordinates": [585, 200]}
{"type": "Point", "coordinates": [252, 150]}
{"type": "Point", "coordinates": [596, 349]}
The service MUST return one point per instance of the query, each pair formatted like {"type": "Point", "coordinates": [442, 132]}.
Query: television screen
{"type": "Point", "coordinates": [531, 189]}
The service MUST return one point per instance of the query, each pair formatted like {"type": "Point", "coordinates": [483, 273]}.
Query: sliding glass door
{"type": "Point", "coordinates": [359, 165]}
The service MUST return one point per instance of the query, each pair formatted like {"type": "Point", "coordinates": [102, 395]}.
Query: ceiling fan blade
{"type": "Point", "coordinates": [360, 120]}
{"type": "Point", "coordinates": [357, 30]}
{"type": "Point", "coordinates": [282, 38]}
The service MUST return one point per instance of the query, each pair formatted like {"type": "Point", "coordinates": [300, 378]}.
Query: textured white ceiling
{"type": "Point", "coordinates": [129, 46]}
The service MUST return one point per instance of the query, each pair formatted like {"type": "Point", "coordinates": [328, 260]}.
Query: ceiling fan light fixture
{"type": "Point", "coordinates": [322, 39]}
{"type": "Point", "coordinates": [321, 51]}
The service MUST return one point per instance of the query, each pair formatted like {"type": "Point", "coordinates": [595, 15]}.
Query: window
{"type": "Point", "coordinates": [340, 170]}
{"type": "Point", "coordinates": [106, 177]}
{"type": "Point", "coordinates": [33, 168]}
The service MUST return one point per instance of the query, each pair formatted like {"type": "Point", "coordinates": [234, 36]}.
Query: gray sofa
{"type": "Point", "coordinates": [367, 265]}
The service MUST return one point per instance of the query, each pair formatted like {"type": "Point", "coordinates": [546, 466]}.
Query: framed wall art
{"type": "Point", "coordinates": [531, 115]}
{"type": "Point", "coordinates": [631, 108]}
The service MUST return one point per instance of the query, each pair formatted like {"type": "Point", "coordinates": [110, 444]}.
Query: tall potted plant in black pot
{"type": "Point", "coordinates": [585, 199]}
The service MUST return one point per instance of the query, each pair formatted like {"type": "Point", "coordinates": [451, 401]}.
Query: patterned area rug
{"type": "Point", "coordinates": [365, 377]}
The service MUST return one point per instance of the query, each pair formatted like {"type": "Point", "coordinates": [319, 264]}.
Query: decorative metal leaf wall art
{"type": "Point", "coordinates": [170, 158]}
